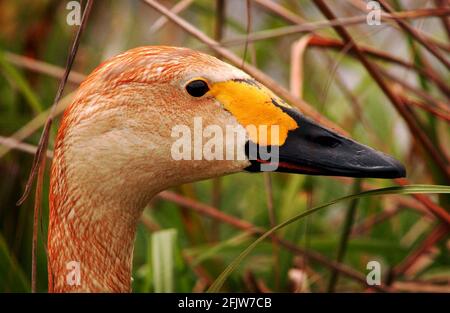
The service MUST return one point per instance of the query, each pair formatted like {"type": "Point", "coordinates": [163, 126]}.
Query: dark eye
{"type": "Point", "coordinates": [197, 88]}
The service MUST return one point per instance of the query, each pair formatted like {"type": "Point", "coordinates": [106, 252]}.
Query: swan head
{"type": "Point", "coordinates": [155, 117]}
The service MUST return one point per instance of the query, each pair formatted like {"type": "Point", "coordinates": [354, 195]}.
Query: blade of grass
{"type": "Point", "coordinates": [411, 189]}
{"type": "Point", "coordinates": [163, 247]}
{"type": "Point", "coordinates": [240, 238]}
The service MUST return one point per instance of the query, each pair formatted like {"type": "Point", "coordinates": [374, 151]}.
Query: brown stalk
{"type": "Point", "coordinates": [445, 116]}
{"type": "Point", "coordinates": [400, 203]}
{"type": "Point", "coordinates": [248, 30]}
{"type": "Point", "coordinates": [418, 92]}
{"type": "Point", "coordinates": [428, 146]}
{"type": "Point", "coordinates": [11, 144]}
{"type": "Point", "coordinates": [298, 49]}
{"type": "Point", "coordinates": [278, 9]}
{"type": "Point", "coordinates": [220, 20]}
{"type": "Point", "coordinates": [36, 217]}
{"type": "Point", "coordinates": [313, 26]}
{"type": "Point", "coordinates": [177, 9]}
{"type": "Point", "coordinates": [445, 20]}
{"type": "Point", "coordinates": [421, 286]}
{"type": "Point", "coordinates": [434, 237]}
{"type": "Point", "coordinates": [43, 67]}
{"type": "Point", "coordinates": [365, 226]}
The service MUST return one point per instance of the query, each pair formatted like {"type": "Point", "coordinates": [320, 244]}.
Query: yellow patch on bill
{"type": "Point", "coordinates": [253, 106]}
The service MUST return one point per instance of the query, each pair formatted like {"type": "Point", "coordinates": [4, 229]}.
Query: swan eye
{"type": "Point", "coordinates": [197, 88]}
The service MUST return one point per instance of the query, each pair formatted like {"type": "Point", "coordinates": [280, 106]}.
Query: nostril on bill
{"type": "Point", "coordinates": [327, 141]}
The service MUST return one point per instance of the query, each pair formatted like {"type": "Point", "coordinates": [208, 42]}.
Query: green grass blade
{"type": "Point", "coordinates": [410, 189]}
{"type": "Point", "coordinates": [163, 259]}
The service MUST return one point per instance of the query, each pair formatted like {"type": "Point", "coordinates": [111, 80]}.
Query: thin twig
{"type": "Point", "coordinates": [43, 67]}
{"type": "Point", "coordinates": [278, 9]}
{"type": "Point", "coordinates": [248, 30]}
{"type": "Point", "coordinates": [15, 144]}
{"type": "Point", "coordinates": [39, 161]}
{"type": "Point", "coordinates": [43, 142]}
{"type": "Point", "coordinates": [314, 26]}
{"type": "Point", "coordinates": [177, 9]}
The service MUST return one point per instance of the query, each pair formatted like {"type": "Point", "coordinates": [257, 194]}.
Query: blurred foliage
{"type": "Point", "coordinates": [38, 29]}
